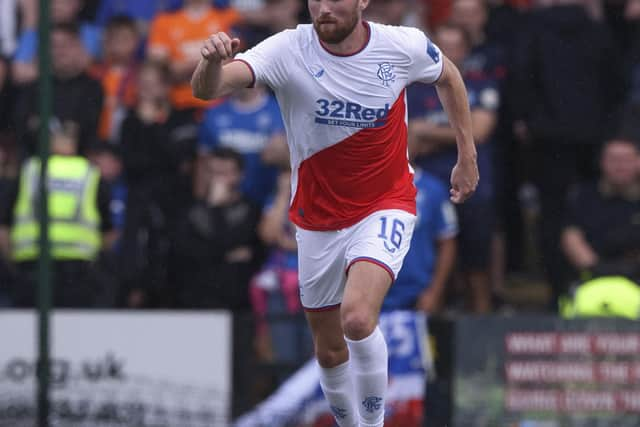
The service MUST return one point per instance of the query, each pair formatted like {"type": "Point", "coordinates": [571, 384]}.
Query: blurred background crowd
{"type": "Point", "coordinates": [160, 200]}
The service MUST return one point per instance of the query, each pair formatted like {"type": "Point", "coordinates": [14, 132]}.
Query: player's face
{"type": "Point", "coordinates": [334, 20]}
{"type": "Point", "coordinates": [621, 163]}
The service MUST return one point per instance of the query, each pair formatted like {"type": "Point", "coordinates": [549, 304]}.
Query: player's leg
{"type": "Point", "coordinates": [333, 357]}
{"type": "Point", "coordinates": [321, 261]}
{"type": "Point", "coordinates": [367, 284]}
{"type": "Point", "coordinates": [378, 246]}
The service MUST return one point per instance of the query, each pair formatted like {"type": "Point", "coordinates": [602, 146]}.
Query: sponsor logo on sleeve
{"type": "Point", "coordinates": [433, 52]}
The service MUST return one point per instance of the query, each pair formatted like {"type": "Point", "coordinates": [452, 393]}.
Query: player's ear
{"type": "Point", "coordinates": [364, 4]}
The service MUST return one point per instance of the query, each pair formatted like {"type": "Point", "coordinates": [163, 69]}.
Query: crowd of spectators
{"type": "Point", "coordinates": [192, 195]}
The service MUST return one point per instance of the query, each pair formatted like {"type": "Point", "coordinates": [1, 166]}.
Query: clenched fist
{"type": "Point", "coordinates": [219, 47]}
{"type": "Point", "coordinates": [464, 180]}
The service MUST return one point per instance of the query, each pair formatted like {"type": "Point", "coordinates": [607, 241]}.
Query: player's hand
{"type": "Point", "coordinates": [219, 47]}
{"type": "Point", "coordinates": [464, 179]}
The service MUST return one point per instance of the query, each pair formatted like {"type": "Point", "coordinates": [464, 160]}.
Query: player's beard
{"type": "Point", "coordinates": [339, 32]}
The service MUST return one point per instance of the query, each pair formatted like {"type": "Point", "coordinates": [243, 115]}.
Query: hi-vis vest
{"type": "Point", "coordinates": [608, 296]}
{"type": "Point", "coordinates": [74, 224]}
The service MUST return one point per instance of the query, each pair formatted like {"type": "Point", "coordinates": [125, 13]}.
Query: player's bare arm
{"type": "Point", "coordinates": [212, 79]}
{"type": "Point", "coordinates": [453, 95]}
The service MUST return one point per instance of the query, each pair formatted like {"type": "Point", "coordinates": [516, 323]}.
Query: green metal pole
{"type": "Point", "coordinates": [44, 261]}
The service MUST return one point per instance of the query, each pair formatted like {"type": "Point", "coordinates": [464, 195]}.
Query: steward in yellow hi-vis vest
{"type": "Point", "coordinates": [80, 227]}
{"type": "Point", "coordinates": [74, 224]}
{"type": "Point", "coordinates": [606, 296]}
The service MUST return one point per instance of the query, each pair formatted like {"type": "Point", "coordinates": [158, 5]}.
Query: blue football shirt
{"type": "Point", "coordinates": [247, 131]}
{"type": "Point", "coordinates": [436, 220]}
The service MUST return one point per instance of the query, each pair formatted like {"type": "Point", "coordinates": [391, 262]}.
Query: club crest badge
{"type": "Point", "coordinates": [372, 403]}
{"type": "Point", "coordinates": [386, 74]}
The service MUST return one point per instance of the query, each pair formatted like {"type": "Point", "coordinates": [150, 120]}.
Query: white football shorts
{"type": "Point", "coordinates": [324, 257]}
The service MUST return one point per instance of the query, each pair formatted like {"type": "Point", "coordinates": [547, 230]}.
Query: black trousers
{"type": "Point", "coordinates": [557, 167]}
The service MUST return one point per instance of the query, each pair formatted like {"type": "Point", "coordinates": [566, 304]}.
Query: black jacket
{"type": "Point", "coordinates": [201, 272]}
{"type": "Point", "coordinates": [568, 76]}
{"type": "Point", "coordinates": [78, 100]}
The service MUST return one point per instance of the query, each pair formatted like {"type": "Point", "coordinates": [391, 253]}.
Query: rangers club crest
{"type": "Point", "coordinates": [372, 403]}
{"type": "Point", "coordinates": [386, 74]}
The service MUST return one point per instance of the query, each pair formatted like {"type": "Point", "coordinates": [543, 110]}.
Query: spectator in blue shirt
{"type": "Point", "coordinates": [431, 257]}
{"type": "Point", "coordinates": [434, 143]}
{"type": "Point", "coordinates": [247, 122]}
{"type": "Point", "coordinates": [25, 61]}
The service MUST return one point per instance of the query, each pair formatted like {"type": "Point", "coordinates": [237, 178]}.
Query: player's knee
{"type": "Point", "coordinates": [357, 323]}
{"type": "Point", "coordinates": [331, 357]}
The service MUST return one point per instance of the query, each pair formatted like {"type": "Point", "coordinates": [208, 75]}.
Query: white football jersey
{"type": "Point", "coordinates": [346, 119]}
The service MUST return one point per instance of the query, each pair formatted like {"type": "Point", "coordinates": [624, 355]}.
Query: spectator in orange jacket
{"type": "Point", "coordinates": [176, 38]}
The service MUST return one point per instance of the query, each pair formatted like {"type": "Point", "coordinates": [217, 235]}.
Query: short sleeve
{"type": "Point", "coordinates": [267, 59]}
{"type": "Point", "coordinates": [427, 59]}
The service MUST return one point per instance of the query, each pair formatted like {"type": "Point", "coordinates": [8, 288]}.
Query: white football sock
{"type": "Point", "coordinates": [369, 363]}
{"type": "Point", "coordinates": [337, 386]}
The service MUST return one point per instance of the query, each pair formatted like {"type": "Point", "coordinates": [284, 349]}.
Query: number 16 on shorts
{"type": "Point", "coordinates": [391, 231]}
